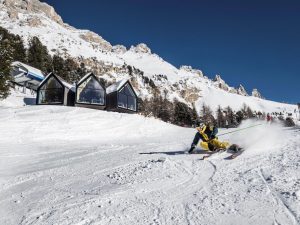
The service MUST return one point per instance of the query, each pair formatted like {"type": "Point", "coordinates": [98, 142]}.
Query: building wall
{"type": "Point", "coordinates": [111, 101]}
{"type": "Point", "coordinates": [90, 106]}
{"type": "Point", "coordinates": [112, 104]}
{"type": "Point", "coordinates": [71, 98]}
{"type": "Point", "coordinates": [66, 96]}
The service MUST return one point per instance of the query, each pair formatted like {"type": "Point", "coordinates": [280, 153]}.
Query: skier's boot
{"type": "Point", "coordinates": [234, 148]}
{"type": "Point", "coordinates": [191, 149]}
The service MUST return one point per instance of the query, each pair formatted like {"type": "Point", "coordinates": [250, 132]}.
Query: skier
{"type": "Point", "coordinates": [206, 132]}
{"type": "Point", "coordinates": [269, 118]}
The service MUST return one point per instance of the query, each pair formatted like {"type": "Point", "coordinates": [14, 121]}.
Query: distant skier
{"type": "Point", "coordinates": [206, 132]}
{"type": "Point", "coordinates": [269, 118]}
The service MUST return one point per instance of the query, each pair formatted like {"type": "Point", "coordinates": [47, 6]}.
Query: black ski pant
{"type": "Point", "coordinates": [197, 137]}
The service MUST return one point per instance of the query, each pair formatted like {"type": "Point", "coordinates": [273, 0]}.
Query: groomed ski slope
{"type": "Point", "coordinates": [64, 165]}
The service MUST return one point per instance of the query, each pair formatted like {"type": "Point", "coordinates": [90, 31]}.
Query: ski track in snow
{"type": "Point", "coordinates": [62, 165]}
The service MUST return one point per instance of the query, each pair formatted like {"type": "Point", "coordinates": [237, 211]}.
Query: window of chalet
{"type": "Point", "coordinates": [90, 92]}
{"type": "Point", "coordinates": [127, 99]}
{"type": "Point", "coordinates": [52, 92]}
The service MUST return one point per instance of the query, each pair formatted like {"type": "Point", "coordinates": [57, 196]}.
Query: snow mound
{"type": "Point", "coordinates": [18, 99]}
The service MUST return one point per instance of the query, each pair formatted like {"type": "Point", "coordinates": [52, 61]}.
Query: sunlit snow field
{"type": "Point", "coordinates": [66, 165]}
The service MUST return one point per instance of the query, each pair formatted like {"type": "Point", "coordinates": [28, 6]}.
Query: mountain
{"type": "Point", "coordinates": [149, 73]}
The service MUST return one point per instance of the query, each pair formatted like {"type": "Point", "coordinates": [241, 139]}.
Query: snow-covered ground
{"type": "Point", "coordinates": [18, 98]}
{"type": "Point", "coordinates": [66, 165]}
{"type": "Point", "coordinates": [215, 97]}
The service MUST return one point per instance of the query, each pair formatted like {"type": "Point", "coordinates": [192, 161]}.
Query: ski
{"type": "Point", "coordinates": [218, 151]}
{"type": "Point", "coordinates": [236, 154]}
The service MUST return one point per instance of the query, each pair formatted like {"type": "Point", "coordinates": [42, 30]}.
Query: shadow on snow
{"type": "Point", "coordinates": [176, 152]}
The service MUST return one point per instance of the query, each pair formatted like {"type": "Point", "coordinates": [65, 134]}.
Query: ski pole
{"type": "Point", "coordinates": [239, 129]}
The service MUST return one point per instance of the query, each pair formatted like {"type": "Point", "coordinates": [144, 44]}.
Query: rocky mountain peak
{"type": "Point", "coordinates": [191, 70]}
{"type": "Point", "coordinates": [15, 7]}
{"type": "Point", "coordinates": [256, 93]}
{"type": "Point", "coordinates": [242, 91]}
{"type": "Point", "coordinates": [119, 49]}
{"type": "Point", "coordinates": [220, 83]}
{"type": "Point", "coordinates": [218, 79]}
{"type": "Point", "coordinates": [141, 48]}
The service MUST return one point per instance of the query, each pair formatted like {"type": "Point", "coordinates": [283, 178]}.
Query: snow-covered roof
{"type": "Point", "coordinates": [65, 83]}
{"type": "Point", "coordinates": [30, 69]}
{"type": "Point", "coordinates": [115, 86]}
{"type": "Point", "coordinates": [83, 78]}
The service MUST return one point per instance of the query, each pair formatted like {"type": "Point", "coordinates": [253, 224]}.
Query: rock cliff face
{"type": "Point", "coordinates": [256, 93]}
{"type": "Point", "coordinates": [119, 49]}
{"type": "Point", "coordinates": [242, 91]}
{"type": "Point", "coordinates": [141, 48]}
{"type": "Point", "coordinates": [31, 6]}
{"type": "Point", "coordinates": [220, 83]}
{"type": "Point", "coordinates": [189, 69]}
{"type": "Point", "coordinates": [92, 37]}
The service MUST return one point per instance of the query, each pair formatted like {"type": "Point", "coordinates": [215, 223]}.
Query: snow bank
{"type": "Point", "coordinates": [18, 99]}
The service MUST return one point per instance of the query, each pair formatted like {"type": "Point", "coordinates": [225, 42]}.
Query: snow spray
{"type": "Point", "coordinates": [240, 129]}
{"type": "Point", "coordinates": [262, 137]}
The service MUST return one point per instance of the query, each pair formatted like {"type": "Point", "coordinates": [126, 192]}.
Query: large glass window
{"type": "Point", "coordinates": [131, 103]}
{"type": "Point", "coordinates": [127, 98]}
{"type": "Point", "coordinates": [90, 92]}
{"type": "Point", "coordinates": [52, 92]}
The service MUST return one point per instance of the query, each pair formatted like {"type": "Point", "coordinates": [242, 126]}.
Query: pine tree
{"type": "Point", "coordinates": [163, 111]}
{"type": "Point", "coordinates": [221, 120]}
{"type": "Point", "coordinates": [182, 114]}
{"type": "Point", "coordinates": [156, 102]}
{"type": "Point", "coordinates": [250, 113]}
{"type": "Point", "coordinates": [19, 53]}
{"type": "Point", "coordinates": [141, 105]}
{"type": "Point", "coordinates": [194, 116]}
{"type": "Point", "coordinates": [11, 49]}
{"type": "Point", "coordinates": [231, 117]}
{"type": "Point", "coordinates": [38, 56]}
{"type": "Point", "coordinates": [259, 114]}
{"type": "Point", "coordinates": [58, 67]}
{"type": "Point", "coordinates": [239, 116]}
{"type": "Point", "coordinates": [81, 70]}
{"type": "Point", "coordinates": [6, 57]}
{"type": "Point", "coordinates": [18, 50]}
{"type": "Point", "coordinates": [206, 114]}
{"type": "Point", "coordinates": [71, 68]}
{"type": "Point", "coordinates": [244, 111]}
{"type": "Point", "coordinates": [68, 69]}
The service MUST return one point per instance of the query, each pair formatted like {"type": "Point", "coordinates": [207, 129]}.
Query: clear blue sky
{"type": "Point", "coordinates": [253, 42]}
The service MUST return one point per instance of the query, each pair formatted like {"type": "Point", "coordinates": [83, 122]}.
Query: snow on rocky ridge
{"type": "Point", "coordinates": [68, 165]}
{"type": "Point", "coordinates": [29, 18]}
